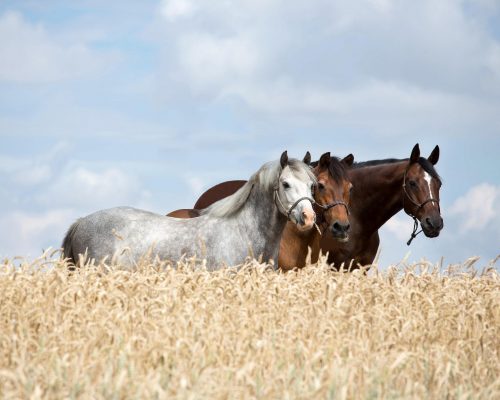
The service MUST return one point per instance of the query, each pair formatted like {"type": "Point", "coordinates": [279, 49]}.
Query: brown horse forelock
{"type": "Point", "coordinates": [337, 188]}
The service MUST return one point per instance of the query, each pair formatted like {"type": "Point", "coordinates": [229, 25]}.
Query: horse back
{"type": "Point", "coordinates": [218, 192]}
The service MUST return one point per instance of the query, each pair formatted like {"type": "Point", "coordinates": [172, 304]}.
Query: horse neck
{"type": "Point", "coordinates": [378, 193]}
{"type": "Point", "coordinates": [262, 220]}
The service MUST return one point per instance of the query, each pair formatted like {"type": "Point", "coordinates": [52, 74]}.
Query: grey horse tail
{"type": "Point", "coordinates": [67, 244]}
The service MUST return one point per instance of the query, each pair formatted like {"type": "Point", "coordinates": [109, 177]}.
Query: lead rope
{"type": "Point", "coordinates": [414, 233]}
{"type": "Point", "coordinates": [317, 228]}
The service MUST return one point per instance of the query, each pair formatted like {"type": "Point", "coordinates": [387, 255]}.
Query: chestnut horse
{"type": "Point", "coordinates": [381, 189]}
{"type": "Point", "coordinates": [331, 196]}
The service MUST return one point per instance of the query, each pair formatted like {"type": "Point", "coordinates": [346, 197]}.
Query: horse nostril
{"type": "Point", "coordinates": [338, 227]}
{"type": "Point", "coordinates": [305, 217]}
{"type": "Point", "coordinates": [429, 222]}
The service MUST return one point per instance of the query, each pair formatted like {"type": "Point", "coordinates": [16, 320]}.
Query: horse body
{"type": "Point", "coordinates": [376, 197]}
{"type": "Point", "coordinates": [129, 234]}
{"type": "Point", "coordinates": [248, 223]}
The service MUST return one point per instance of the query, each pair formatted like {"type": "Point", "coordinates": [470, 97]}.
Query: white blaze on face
{"type": "Point", "coordinates": [428, 179]}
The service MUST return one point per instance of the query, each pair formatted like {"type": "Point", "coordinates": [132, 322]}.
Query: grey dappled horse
{"type": "Point", "coordinates": [248, 223]}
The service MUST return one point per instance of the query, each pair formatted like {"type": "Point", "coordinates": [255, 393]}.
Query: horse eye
{"type": "Point", "coordinates": [286, 185]}
{"type": "Point", "coordinates": [413, 184]}
{"type": "Point", "coordinates": [320, 186]}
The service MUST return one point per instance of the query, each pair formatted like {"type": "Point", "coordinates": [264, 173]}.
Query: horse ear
{"type": "Point", "coordinates": [324, 161]}
{"type": "Point", "coordinates": [434, 157]}
{"type": "Point", "coordinates": [284, 159]}
{"type": "Point", "coordinates": [415, 154]}
{"type": "Point", "coordinates": [307, 159]}
{"type": "Point", "coordinates": [348, 160]}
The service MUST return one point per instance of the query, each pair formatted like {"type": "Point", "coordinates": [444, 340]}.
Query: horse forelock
{"type": "Point", "coordinates": [337, 170]}
{"type": "Point", "coordinates": [429, 168]}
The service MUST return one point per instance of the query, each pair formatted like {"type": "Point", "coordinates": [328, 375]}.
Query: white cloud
{"type": "Point", "coordinates": [72, 192]}
{"type": "Point", "coordinates": [31, 171]}
{"type": "Point", "coordinates": [173, 9]}
{"type": "Point", "coordinates": [80, 187]}
{"type": "Point", "coordinates": [23, 232]}
{"type": "Point", "coordinates": [400, 227]}
{"type": "Point", "coordinates": [343, 58]}
{"type": "Point", "coordinates": [33, 176]}
{"type": "Point", "coordinates": [196, 185]}
{"type": "Point", "coordinates": [478, 207]}
{"type": "Point", "coordinates": [212, 61]}
{"type": "Point", "coordinates": [30, 54]}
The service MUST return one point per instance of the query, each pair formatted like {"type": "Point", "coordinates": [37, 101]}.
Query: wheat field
{"type": "Point", "coordinates": [419, 331]}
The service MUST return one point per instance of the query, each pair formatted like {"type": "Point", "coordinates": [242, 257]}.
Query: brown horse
{"type": "Point", "coordinates": [331, 196]}
{"type": "Point", "coordinates": [381, 188]}
{"type": "Point", "coordinates": [215, 193]}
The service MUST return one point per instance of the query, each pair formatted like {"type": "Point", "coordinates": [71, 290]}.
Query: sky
{"type": "Point", "coordinates": [150, 103]}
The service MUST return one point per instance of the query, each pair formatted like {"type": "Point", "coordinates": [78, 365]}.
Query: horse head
{"type": "Point", "coordinates": [421, 185]}
{"type": "Point", "coordinates": [293, 192]}
{"type": "Point", "coordinates": [332, 194]}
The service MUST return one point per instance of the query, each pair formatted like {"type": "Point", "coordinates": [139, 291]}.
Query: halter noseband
{"type": "Point", "coordinates": [324, 208]}
{"type": "Point", "coordinates": [419, 206]}
{"type": "Point", "coordinates": [336, 203]}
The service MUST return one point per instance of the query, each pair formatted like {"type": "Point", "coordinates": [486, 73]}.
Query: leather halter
{"type": "Point", "coordinates": [419, 206]}
{"type": "Point", "coordinates": [325, 208]}
{"type": "Point", "coordinates": [336, 203]}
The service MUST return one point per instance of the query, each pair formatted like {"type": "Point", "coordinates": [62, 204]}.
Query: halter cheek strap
{"type": "Point", "coordinates": [419, 206]}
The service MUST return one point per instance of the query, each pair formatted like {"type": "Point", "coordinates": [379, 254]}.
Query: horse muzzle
{"type": "Point", "coordinates": [306, 220]}
{"type": "Point", "coordinates": [432, 226]}
{"type": "Point", "coordinates": [340, 231]}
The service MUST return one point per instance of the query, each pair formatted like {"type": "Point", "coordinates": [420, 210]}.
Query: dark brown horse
{"type": "Point", "coordinates": [332, 198]}
{"type": "Point", "coordinates": [381, 188]}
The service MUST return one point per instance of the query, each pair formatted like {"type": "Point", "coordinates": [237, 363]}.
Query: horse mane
{"type": "Point", "coordinates": [264, 179]}
{"type": "Point", "coordinates": [423, 162]}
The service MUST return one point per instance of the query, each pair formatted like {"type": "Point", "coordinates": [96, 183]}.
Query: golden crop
{"type": "Point", "coordinates": [158, 332]}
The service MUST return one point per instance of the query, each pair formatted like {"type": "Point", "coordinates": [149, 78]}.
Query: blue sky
{"type": "Point", "coordinates": [149, 103]}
